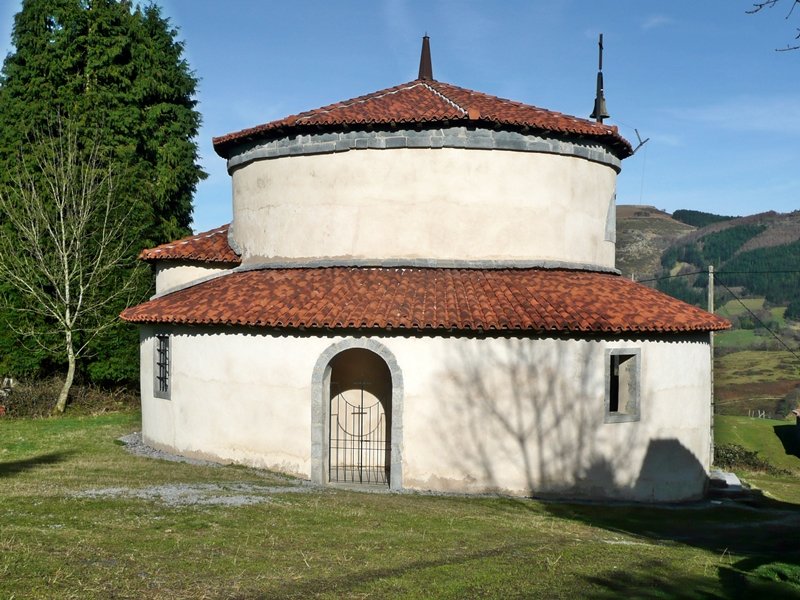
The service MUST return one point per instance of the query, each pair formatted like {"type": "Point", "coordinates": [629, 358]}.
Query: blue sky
{"type": "Point", "coordinates": [702, 80]}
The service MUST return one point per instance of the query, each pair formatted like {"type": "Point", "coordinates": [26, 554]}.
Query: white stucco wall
{"type": "Point", "coordinates": [515, 415]}
{"type": "Point", "coordinates": [174, 273]}
{"type": "Point", "coordinates": [423, 203]}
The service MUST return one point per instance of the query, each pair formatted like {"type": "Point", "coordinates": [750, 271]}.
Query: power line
{"type": "Point", "coordinates": [779, 272]}
{"type": "Point", "coordinates": [669, 277]}
{"type": "Point", "coordinates": [739, 300]}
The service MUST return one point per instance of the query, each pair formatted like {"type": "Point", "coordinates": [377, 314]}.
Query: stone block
{"type": "Point", "coordinates": [325, 137]}
{"type": "Point", "coordinates": [322, 148]}
{"type": "Point", "coordinates": [396, 141]}
{"type": "Point", "coordinates": [342, 145]}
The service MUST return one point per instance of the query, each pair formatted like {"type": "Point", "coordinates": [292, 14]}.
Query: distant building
{"type": "Point", "coordinates": [418, 290]}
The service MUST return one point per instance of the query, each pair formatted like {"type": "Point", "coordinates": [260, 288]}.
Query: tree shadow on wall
{"type": "Point", "coordinates": [527, 416]}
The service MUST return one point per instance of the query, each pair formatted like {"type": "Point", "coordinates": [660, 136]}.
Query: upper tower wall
{"type": "Point", "coordinates": [449, 194]}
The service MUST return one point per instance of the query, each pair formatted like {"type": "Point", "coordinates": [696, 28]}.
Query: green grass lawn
{"type": "Point", "coordinates": [82, 518]}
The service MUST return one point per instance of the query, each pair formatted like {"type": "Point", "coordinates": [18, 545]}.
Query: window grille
{"type": "Point", "coordinates": [162, 366]}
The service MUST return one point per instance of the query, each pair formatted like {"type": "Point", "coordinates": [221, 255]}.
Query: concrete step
{"type": "Point", "coordinates": [722, 484]}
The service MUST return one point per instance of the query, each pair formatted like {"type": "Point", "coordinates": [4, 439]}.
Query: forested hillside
{"type": "Point", "coordinates": [758, 255]}
{"type": "Point", "coordinates": [756, 260]}
{"type": "Point", "coordinates": [695, 218]}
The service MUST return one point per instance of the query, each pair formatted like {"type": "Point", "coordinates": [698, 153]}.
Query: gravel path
{"type": "Point", "coordinates": [193, 494]}
{"type": "Point", "coordinates": [134, 444]}
{"type": "Point", "coordinates": [197, 494]}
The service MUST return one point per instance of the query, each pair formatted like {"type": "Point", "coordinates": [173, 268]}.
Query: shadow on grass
{"type": "Point", "coordinates": [746, 579]}
{"type": "Point", "coordinates": [734, 581]}
{"type": "Point", "coordinates": [789, 435]}
{"type": "Point", "coordinates": [345, 585]}
{"type": "Point", "coordinates": [765, 531]}
{"type": "Point", "coordinates": [15, 467]}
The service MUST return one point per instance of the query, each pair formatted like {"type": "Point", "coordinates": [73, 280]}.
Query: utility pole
{"type": "Point", "coordinates": [711, 346]}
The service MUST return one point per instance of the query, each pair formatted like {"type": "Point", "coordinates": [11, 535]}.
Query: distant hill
{"type": "Point", "coordinates": [652, 243]}
{"type": "Point", "coordinates": [643, 235]}
{"type": "Point", "coordinates": [757, 255]}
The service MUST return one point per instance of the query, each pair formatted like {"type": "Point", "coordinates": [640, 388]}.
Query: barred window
{"type": "Point", "coordinates": [162, 366]}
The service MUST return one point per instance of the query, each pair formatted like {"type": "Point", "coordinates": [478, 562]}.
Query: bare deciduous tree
{"type": "Point", "coordinates": [759, 6]}
{"type": "Point", "coordinates": [65, 238]}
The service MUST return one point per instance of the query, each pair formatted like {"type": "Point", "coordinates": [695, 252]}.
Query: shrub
{"type": "Point", "coordinates": [36, 398]}
{"type": "Point", "coordinates": [733, 456]}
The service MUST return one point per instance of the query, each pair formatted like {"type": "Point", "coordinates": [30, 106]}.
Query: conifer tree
{"type": "Point", "coordinates": [118, 73]}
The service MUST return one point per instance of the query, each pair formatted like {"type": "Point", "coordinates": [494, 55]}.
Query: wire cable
{"type": "Point", "coordinates": [752, 314]}
{"type": "Point", "coordinates": [735, 297]}
{"type": "Point", "coordinates": [718, 273]}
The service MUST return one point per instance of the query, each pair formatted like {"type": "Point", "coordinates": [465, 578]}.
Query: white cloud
{"type": "Point", "coordinates": [654, 21]}
{"type": "Point", "coordinates": [751, 114]}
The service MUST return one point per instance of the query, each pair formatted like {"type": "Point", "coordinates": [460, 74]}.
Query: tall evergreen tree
{"type": "Point", "coordinates": [118, 73]}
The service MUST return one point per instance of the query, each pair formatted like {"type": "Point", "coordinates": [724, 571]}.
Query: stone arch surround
{"type": "Point", "coordinates": [320, 407]}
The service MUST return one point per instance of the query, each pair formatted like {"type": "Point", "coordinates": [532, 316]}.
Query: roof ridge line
{"type": "Point", "coordinates": [453, 103]}
{"type": "Point", "coordinates": [362, 100]}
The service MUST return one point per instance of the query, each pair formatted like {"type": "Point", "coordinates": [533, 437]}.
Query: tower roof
{"type": "Point", "coordinates": [426, 102]}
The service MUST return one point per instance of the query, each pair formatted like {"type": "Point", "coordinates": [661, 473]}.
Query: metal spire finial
{"type": "Point", "coordinates": [425, 67]}
{"type": "Point", "coordinates": [600, 111]}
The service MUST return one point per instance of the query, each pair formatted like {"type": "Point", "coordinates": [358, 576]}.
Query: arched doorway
{"type": "Point", "coordinates": [360, 416]}
{"type": "Point", "coordinates": [371, 364]}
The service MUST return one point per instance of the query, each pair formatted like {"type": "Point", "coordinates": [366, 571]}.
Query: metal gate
{"type": "Point", "coordinates": [358, 445]}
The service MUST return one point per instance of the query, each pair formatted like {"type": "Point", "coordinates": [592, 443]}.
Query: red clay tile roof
{"type": "Point", "coordinates": [208, 246]}
{"type": "Point", "coordinates": [427, 101]}
{"type": "Point", "coordinates": [537, 300]}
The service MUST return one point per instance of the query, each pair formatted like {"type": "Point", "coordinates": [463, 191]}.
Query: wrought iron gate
{"type": "Point", "coordinates": [358, 444]}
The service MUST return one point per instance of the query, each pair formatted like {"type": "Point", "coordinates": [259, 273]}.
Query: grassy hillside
{"type": "Point", "coordinates": [755, 379]}
{"type": "Point", "coordinates": [775, 441]}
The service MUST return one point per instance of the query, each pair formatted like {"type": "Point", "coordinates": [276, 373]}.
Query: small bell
{"type": "Point", "coordinates": [600, 111]}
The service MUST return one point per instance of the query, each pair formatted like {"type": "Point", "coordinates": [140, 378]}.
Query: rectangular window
{"type": "Point", "coordinates": [162, 366]}
{"type": "Point", "coordinates": [622, 385]}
